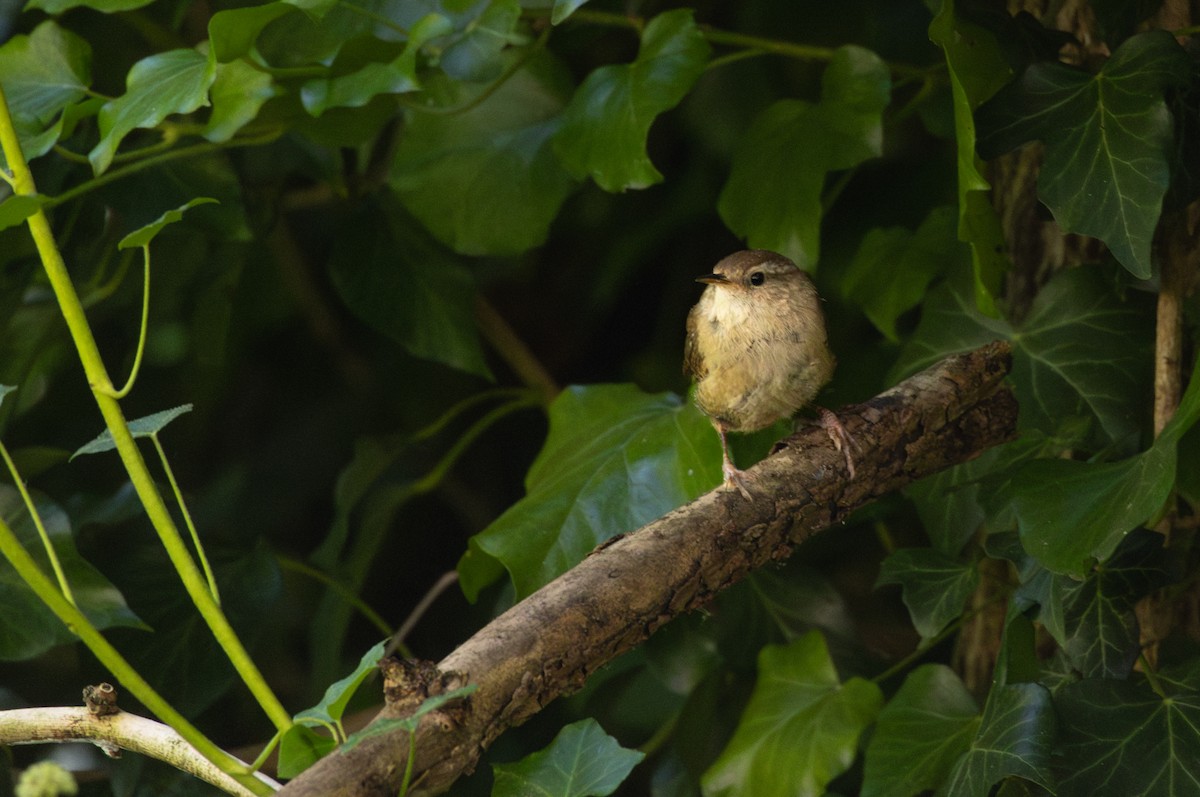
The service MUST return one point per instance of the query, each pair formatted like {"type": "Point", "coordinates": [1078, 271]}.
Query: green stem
{"type": "Point", "coordinates": [371, 616]}
{"type": "Point", "coordinates": [79, 625]}
{"type": "Point", "coordinates": [51, 554]}
{"type": "Point", "coordinates": [133, 168]}
{"type": "Point", "coordinates": [114, 418]}
{"type": "Point", "coordinates": [141, 346]}
{"type": "Point", "coordinates": [187, 518]}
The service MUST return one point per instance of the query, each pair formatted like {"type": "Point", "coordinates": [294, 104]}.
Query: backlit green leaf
{"type": "Point", "coordinates": [799, 713]}
{"type": "Point", "coordinates": [773, 196]}
{"type": "Point", "coordinates": [300, 747]}
{"type": "Point", "coordinates": [393, 276]}
{"type": "Point", "coordinates": [103, 6]}
{"type": "Point", "coordinates": [18, 207]}
{"type": "Point", "coordinates": [1119, 737]}
{"type": "Point", "coordinates": [176, 81]}
{"type": "Point", "coordinates": [238, 92]}
{"type": "Point", "coordinates": [333, 705]}
{"type": "Point", "coordinates": [582, 761]}
{"type": "Point", "coordinates": [606, 123]}
{"type": "Point", "coordinates": [920, 734]}
{"type": "Point", "coordinates": [615, 459]}
{"type": "Point", "coordinates": [1107, 139]}
{"type": "Point", "coordinates": [1014, 738]}
{"type": "Point", "coordinates": [976, 68]}
{"type": "Point", "coordinates": [485, 181]}
{"type": "Point", "coordinates": [42, 74]}
{"type": "Point", "coordinates": [935, 587]}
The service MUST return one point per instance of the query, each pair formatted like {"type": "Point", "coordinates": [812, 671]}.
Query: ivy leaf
{"type": "Point", "coordinates": [232, 33]}
{"type": "Point", "coordinates": [398, 280]}
{"type": "Point", "coordinates": [889, 273]}
{"type": "Point", "coordinates": [1119, 117]}
{"type": "Point", "coordinates": [606, 123]}
{"type": "Point", "coordinates": [1014, 738]}
{"type": "Point", "coordinates": [614, 460]}
{"type": "Point", "coordinates": [176, 81]}
{"type": "Point", "coordinates": [147, 426]}
{"type": "Point", "coordinates": [357, 88]}
{"type": "Point", "coordinates": [920, 734]}
{"type": "Point", "coordinates": [977, 68]}
{"type": "Point", "coordinates": [476, 53]}
{"type": "Point", "coordinates": [773, 196]}
{"type": "Point", "coordinates": [582, 761]}
{"type": "Point", "coordinates": [1080, 351]}
{"type": "Point", "coordinates": [801, 713]}
{"type": "Point", "coordinates": [1101, 628]}
{"type": "Point", "coordinates": [144, 235]}
{"type": "Point", "coordinates": [338, 694]}
{"type": "Point", "coordinates": [43, 73]}
{"type": "Point", "coordinates": [934, 587]}
{"type": "Point", "coordinates": [1119, 737]}
{"type": "Point", "coordinates": [485, 181]}
{"type": "Point", "coordinates": [1094, 505]}
{"type": "Point", "coordinates": [238, 92]}
{"type": "Point", "coordinates": [300, 747]}
{"type": "Point", "coordinates": [564, 9]}
{"type": "Point", "coordinates": [27, 627]}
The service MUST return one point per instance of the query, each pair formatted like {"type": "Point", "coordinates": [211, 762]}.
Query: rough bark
{"type": "Point", "coordinates": [549, 643]}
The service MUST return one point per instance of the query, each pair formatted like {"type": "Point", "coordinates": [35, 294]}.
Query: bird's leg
{"type": "Point", "coordinates": [734, 477]}
{"type": "Point", "coordinates": [842, 440]}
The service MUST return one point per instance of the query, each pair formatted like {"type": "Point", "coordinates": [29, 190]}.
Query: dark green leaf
{"type": "Point", "coordinates": [176, 81]}
{"type": "Point", "coordinates": [920, 734]}
{"type": "Point", "coordinates": [300, 747]}
{"type": "Point", "coordinates": [892, 268]}
{"type": "Point", "coordinates": [144, 235]}
{"type": "Point", "coordinates": [147, 426]}
{"type": "Point", "coordinates": [582, 761]}
{"type": "Point", "coordinates": [799, 713]}
{"type": "Point", "coordinates": [976, 68]}
{"type": "Point", "coordinates": [1119, 737]}
{"type": "Point", "coordinates": [615, 459]}
{"type": "Point", "coordinates": [238, 92]}
{"type": "Point", "coordinates": [391, 275]}
{"type": "Point", "coordinates": [1081, 349]}
{"type": "Point", "coordinates": [935, 587]}
{"type": "Point", "coordinates": [485, 180]}
{"type": "Point", "coordinates": [1107, 139]}
{"type": "Point", "coordinates": [773, 196]}
{"type": "Point", "coordinates": [1014, 739]}
{"type": "Point", "coordinates": [179, 657]}
{"type": "Point", "coordinates": [233, 32]}
{"type": "Point", "coordinates": [606, 123]}
{"type": "Point", "coordinates": [27, 627]}
{"type": "Point", "coordinates": [1101, 630]}
{"type": "Point", "coordinates": [1072, 513]}
{"type": "Point", "coordinates": [42, 74]}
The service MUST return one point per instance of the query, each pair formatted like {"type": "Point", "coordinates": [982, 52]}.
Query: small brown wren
{"type": "Point", "coordinates": [757, 348]}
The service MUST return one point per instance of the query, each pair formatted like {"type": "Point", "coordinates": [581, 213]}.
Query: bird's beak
{"type": "Point", "coordinates": [713, 279]}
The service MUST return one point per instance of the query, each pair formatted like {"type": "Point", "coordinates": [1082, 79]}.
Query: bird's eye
{"type": "Point", "coordinates": [757, 278]}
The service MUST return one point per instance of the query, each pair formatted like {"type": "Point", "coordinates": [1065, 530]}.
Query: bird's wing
{"type": "Point", "coordinates": [693, 360]}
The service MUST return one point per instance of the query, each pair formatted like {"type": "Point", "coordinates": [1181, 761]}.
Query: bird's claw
{"type": "Point", "coordinates": [735, 479]}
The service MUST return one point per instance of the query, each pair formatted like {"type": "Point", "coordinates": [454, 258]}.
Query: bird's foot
{"type": "Point", "coordinates": [842, 440]}
{"type": "Point", "coordinates": [737, 479]}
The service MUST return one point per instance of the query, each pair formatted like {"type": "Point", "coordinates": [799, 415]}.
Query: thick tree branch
{"type": "Point", "coordinates": [548, 644]}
